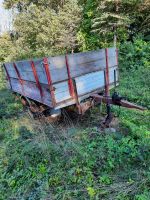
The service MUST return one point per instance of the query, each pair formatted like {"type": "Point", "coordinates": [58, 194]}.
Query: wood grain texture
{"type": "Point", "coordinates": [83, 63]}
{"type": "Point", "coordinates": [111, 75]}
{"type": "Point", "coordinates": [112, 57]}
{"type": "Point", "coordinates": [31, 91]}
{"type": "Point", "coordinates": [61, 91]}
{"type": "Point", "coordinates": [89, 82]}
{"type": "Point", "coordinates": [58, 69]}
{"type": "Point", "coordinates": [87, 68]}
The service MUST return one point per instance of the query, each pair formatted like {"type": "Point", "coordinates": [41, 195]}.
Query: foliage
{"type": "Point", "coordinates": [54, 27]}
{"type": "Point", "coordinates": [23, 5]}
{"type": "Point", "coordinates": [135, 55]}
{"type": "Point", "coordinates": [40, 30]}
{"type": "Point", "coordinates": [71, 160]}
{"type": "Point", "coordinates": [119, 14]}
{"type": "Point", "coordinates": [5, 47]}
{"type": "Point", "coordinates": [102, 19]}
{"type": "Point", "coordinates": [78, 161]}
{"type": "Point", "coordinates": [87, 39]}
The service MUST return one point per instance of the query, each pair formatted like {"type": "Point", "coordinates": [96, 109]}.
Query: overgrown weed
{"type": "Point", "coordinates": [74, 159]}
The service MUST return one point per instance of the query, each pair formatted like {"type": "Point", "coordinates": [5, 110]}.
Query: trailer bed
{"type": "Point", "coordinates": [50, 80]}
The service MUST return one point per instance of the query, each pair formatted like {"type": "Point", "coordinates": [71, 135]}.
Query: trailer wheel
{"type": "Point", "coordinates": [52, 115]}
{"type": "Point", "coordinates": [30, 113]}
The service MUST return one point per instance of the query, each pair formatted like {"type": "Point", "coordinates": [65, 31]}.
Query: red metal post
{"type": "Point", "coordinates": [70, 82]}
{"type": "Point", "coordinates": [18, 74]}
{"type": "Point", "coordinates": [8, 77]}
{"type": "Point", "coordinates": [19, 77]}
{"type": "Point", "coordinates": [49, 80]}
{"type": "Point", "coordinates": [107, 74]}
{"type": "Point", "coordinates": [37, 79]}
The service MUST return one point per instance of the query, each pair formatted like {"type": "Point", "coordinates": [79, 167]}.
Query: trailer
{"type": "Point", "coordinates": [54, 83]}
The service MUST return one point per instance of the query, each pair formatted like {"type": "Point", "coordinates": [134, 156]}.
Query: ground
{"type": "Point", "coordinates": [75, 158]}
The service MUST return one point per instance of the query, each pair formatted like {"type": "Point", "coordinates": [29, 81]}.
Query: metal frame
{"type": "Point", "coordinates": [19, 77]}
{"type": "Point", "coordinates": [49, 80]}
{"type": "Point", "coordinates": [37, 79]}
{"type": "Point", "coordinates": [70, 81]}
{"type": "Point", "coordinates": [121, 102]}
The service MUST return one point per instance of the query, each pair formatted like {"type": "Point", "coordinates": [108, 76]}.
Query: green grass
{"type": "Point", "coordinates": [76, 160]}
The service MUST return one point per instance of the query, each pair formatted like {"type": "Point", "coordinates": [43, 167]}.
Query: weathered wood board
{"type": "Point", "coordinates": [30, 90]}
{"type": "Point", "coordinates": [87, 69]}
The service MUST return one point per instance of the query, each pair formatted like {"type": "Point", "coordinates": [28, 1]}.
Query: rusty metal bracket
{"type": "Point", "coordinates": [122, 102]}
{"type": "Point", "coordinates": [114, 100]}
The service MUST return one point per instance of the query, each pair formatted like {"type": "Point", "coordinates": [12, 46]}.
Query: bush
{"type": "Point", "coordinates": [134, 55]}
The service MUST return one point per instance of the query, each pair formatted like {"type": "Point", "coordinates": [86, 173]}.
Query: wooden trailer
{"type": "Point", "coordinates": [58, 82]}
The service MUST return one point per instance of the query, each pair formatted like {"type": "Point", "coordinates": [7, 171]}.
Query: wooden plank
{"type": "Point", "coordinates": [25, 65]}
{"type": "Point", "coordinates": [89, 82]}
{"type": "Point", "coordinates": [82, 63]}
{"type": "Point", "coordinates": [86, 57]}
{"type": "Point", "coordinates": [29, 76]}
{"type": "Point", "coordinates": [25, 70]}
{"type": "Point", "coordinates": [58, 69]}
{"type": "Point", "coordinates": [31, 91]}
{"type": "Point", "coordinates": [60, 87]}
{"type": "Point", "coordinates": [16, 86]}
{"type": "Point", "coordinates": [112, 57]}
{"type": "Point", "coordinates": [11, 70]}
{"type": "Point", "coordinates": [72, 101]}
{"type": "Point", "coordinates": [61, 91]}
{"type": "Point", "coordinates": [9, 66]}
{"type": "Point", "coordinates": [111, 75]}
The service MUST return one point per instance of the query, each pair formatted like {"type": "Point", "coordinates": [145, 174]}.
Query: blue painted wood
{"type": "Point", "coordinates": [90, 82]}
{"type": "Point", "coordinates": [87, 68]}
{"type": "Point", "coordinates": [61, 91]}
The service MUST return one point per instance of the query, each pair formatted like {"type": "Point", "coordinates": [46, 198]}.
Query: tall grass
{"type": "Point", "coordinates": [74, 158]}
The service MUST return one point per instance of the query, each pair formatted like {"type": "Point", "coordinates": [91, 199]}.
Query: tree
{"type": "Point", "coordinates": [133, 14]}
{"type": "Point", "coordinates": [87, 39]}
{"type": "Point", "coordinates": [50, 27]}
{"type": "Point", "coordinates": [44, 31]}
{"type": "Point", "coordinates": [24, 4]}
{"type": "Point", "coordinates": [5, 47]}
{"type": "Point", "coordinates": [69, 18]}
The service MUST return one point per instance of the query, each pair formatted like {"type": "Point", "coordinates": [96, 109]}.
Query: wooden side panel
{"type": "Point", "coordinates": [16, 86]}
{"type": "Point", "coordinates": [25, 65]}
{"type": "Point", "coordinates": [111, 75]}
{"type": "Point", "coordinates": [83, 63]}
{"type": "Point", "coordinates": [87, 69]}
{"type": "Point", "coordinates": [90, 82]}
{"type": "Point", "coordinates": [11, 70]}
{"type": "Point", "coordinates": [58, 69]}
{"type": "Point", "coordinates": [40, 71]}
{"type": "Point", "coordinates": [25, 70]}
{"type": "Point", "coordinates": [31, 91]}
{"type": "Point", "coordinates": [61, 91]}
{"type": "Point", "coordinates": [112, 57]}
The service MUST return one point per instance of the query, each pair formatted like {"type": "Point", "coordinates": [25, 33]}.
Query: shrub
{"type": "Point", "coordinates": [134, 55]}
